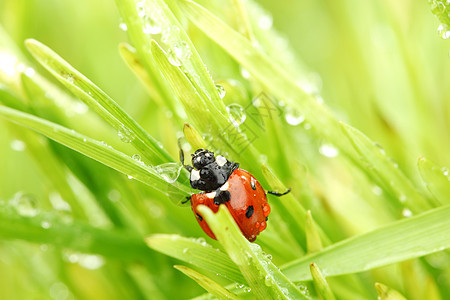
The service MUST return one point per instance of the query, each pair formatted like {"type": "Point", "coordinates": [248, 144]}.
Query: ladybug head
{"type": "Point", "coordinates": [202, 158]}
{"type": "Point", "coordinates": [210, 172]}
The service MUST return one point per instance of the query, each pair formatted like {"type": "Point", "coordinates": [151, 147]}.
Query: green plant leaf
{"type": "Point", "coordinates": [321, 283]}
{"type": "Point", "coordinates": [46, 228]}
{"type": "Point", "coordinates": [409, 238]}
{"type": "Point", "coordinates": [196, 252]}
{"type": "Point", "coordinates": [128, 129]}
{"type": "Point", "coordinates": [390, 177]}
{"type": "Point", "coordinates": [437, 179]}
{"type": "Point", "coordinates": [95, 150]}
{"type": "Point", "coordinates": [207, 283]}
{"type": "Point", "coordinates": [387, 293]}
{"type": "Point", "coordinates": [264, 278]}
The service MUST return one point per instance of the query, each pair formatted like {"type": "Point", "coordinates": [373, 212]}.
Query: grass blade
{"type": "Point", "coordinates": [321, 283]}
{"type": "Point", "coordinates": [436, 179]}
{"type": "Point", "coordinates": [207, 283]}
{"type": "Point", "coordinates": [264, 278]}
{"type": "Point", "coordinates": [390, 177]}
{"type": "Point", "coordinates": [128, 129]}
{"type": "Point", "coordinates": [93, 149]}
{"type": "Point", "coordinates": [196, 252]}
{"type": "Point", "coordinates": [402, 240]}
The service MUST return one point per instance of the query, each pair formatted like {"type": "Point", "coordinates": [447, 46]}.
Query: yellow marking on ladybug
{"type": "Point", "coordinates": [225, 186]}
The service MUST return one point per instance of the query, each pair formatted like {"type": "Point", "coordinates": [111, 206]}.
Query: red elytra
{"type": "Point", "coordinates": [247, 205]}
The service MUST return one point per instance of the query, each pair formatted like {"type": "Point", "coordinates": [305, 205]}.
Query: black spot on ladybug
{"type": "Point", "coordinates": [267, 218]}
{"type": "Point", "coordinates": [199, 217]}
{"type": "Point", "coordinates": [222, 197]}
{"type": "Point", "coordinates": [249, 211]}
{"type": "Point", "coordinates": [253, 185]}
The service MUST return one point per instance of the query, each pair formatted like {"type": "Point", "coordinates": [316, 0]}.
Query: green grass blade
{"type": "Point", "coordinates": [269, 74]}
{"type": "Point", "coordinates": [402, 240]}
{"type": "Point", "coordinates": [264, 278]}
{"type": "Point", "coordinates": [387, 293]}
{"type": "Point", "coordinates": [321, 283]}
{"type": "Point", "coordinates": [45, 228]}
{"type": "Point", "coordinates": [436, 179]}
{"type": "Point", "coordinates": [196, 252]}
{"type": "Point", "coordinates": [93, 149]}
{"type": "Point", "coordinates": [128, 129]}
{"type": "Point", "coordinates": [207, 283]}
{"type": "Point", "coordinates": [391, 178]}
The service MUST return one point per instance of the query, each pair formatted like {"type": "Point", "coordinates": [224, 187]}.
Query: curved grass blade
{"type": "Point", "coordinates": [402, 240]}
{"type": "Point", "coordinates": [94, 149]}
{"type": "Point", "coordinates": [45, 228]}
{"type": "Point", "coordinates": [208, 284]}
{"type": "Point", "coordinates": [387, 293]}
{"type": "Point", "coordinates": [321, 283]}
{"type": "Point", "coordinates": [196, 252]}
{"type": "Point", "coordinates": [264, 278]}
{"type": "Point", "coordinates": [436, 179]}
{"type": "Point", "coordinates": [128, 129]}
{"type": "Point", "coordinates": [263, 69]}
{"type": "Point", "coordinates": [391, 178]}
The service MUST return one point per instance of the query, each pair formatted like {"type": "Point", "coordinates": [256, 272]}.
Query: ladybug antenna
{"type": "Point", "coordinates": [189, 168]}
{"type": "Point", "coordinates": [278, 194]}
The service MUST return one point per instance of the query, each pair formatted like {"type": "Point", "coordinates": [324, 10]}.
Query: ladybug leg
{"type": "Point", "coordinates": [188, 198]}
{"type": "Point", "coordinates": [221, 197]}
{"type": "Point", "coordinates": [278, 194]}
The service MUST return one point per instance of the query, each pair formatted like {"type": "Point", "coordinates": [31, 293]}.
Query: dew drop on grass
{"type": "Point", "coordinates": [377, 190]}
{"type": "Point", "coordinates": [245, 73]}
{"type": "Point", "coordinates": [265, 21]}
{"type": "Point", "coordinates": [140, 7]}
{"type": "Point", "coordinates": [123, 26]}
{"type": "Point", "coordinates": [125, 134]}
{"type": "Point", "coordinates": [69, 77]}
{"type": "Point", "coordinates": [90, 261]}
{"type": "Point", "coordinates": [293, 117]}
{"type": "Point", "coordinates": [407, 213]}
{"type": "Point", "coordinates": [18, 145]}
{"type": "Point", "coordinates": [328, 150]}
{"type": "Point", "coordinates": [236, 114]}
{"type": "Point", "coordinates": [150, 26]}
{"type": "Point", "coordinates": [137, 157]}
{"type": "Point", "coordinates": [268, 280]}
{"type": "Point", "coordinates": [179, 53]}
{"type": "Point", "coordinates": [221, 90]}
{"type": "Point", "coordinates": [169, 34]}
{"type": "Point", "coordinates": [169, 171]}
{"type": "Point", "coordinates": [444, 171]}
{"type": "Point", "coordinates": [46, 224]}
{"type": "Point", "coordinates": [24, 204]}
{"type": "Point", "coordinates": [130, 177]}
{"type": "Point", "coordinates": [402, 198]}
{"type": "Point", "coordinates": [444, 31]}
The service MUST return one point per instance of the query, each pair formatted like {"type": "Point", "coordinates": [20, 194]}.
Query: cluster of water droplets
{"type": "Point", "coordinates": [87, 261]}
{"type": "Point", "coordinates": [125, 134]}
{"type": "Point", "coordinates": [442, 11]}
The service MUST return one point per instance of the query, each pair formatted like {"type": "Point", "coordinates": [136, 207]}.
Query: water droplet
{"type": "Point", "coordinates": [24, 204]}
{"type": "Point", "coordinates": [221, 90]}
{"type": "Point", "coordinates": [114, 195]}
{"type": "Point", "coordinates": [247, 289]}
{"type": "Point", "coordinates": [236, 114]}
{"type": "Point", "coordinates": [150, 26]}
{"type": "Point", "coordinates": [170, 34]}
{"type": "Point", "coordinates": [69, 77]}
{"type": "Point", "coordinates": [444, 171]}
{"type": "Point", "coordinates": [402, 198]}
{"type": "Point", "coordinates": [407, 213]}
{"type": "Point", "coordinates": [328, 150]}
{"type": "Point", "coordinates": [58, 202]}
{"type": "Point", "coordinates": [169, 171]}
{"type": "Point", "coordinates": [29, 72]}
{"type": "Point", "coordinates": [140, 7]}
{"type": "Point", "coordinates": [444, 31]}
{"type": "Point", "coordinates": [59, 290]}
{"type": "Point", "coordinates": [46, 224]}
{"type": "Point", "coordinates": [137, 157]}
{"type": "Point", "coordinates": [245, 73]}
{"type": "Point", "coordinates": [293, 117]}
{"type": "Point", "coordinates": [179, 53]}
{"type": "Point", "coordinates": [307, 126]}
{"type": "Point", "coordinates": [265, 21]}
{"type": "Point", "coordinates": [18, 145]}
{"type": "Point", "coordinates": [379, 146]}
{"type": "Point", "coordinates": [239, 285]}
{"type": "Point", "coordinates": [90, 261]}
{"type": "Point", "coordinates": [123, 26]}
{"type": "Point", "coordinates": [268, 280]}
{"type": "Point", "coordinates": [125, 134]}
{"type": "Point", "coordinates": [185, 250]}
{"type": "Point", "coordinates": [377, 190]}
{"type": "Point", "coordinates": [130, 177]}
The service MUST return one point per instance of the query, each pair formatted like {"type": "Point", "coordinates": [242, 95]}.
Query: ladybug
{"type": "Point", "coordinates": [222, 182]}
